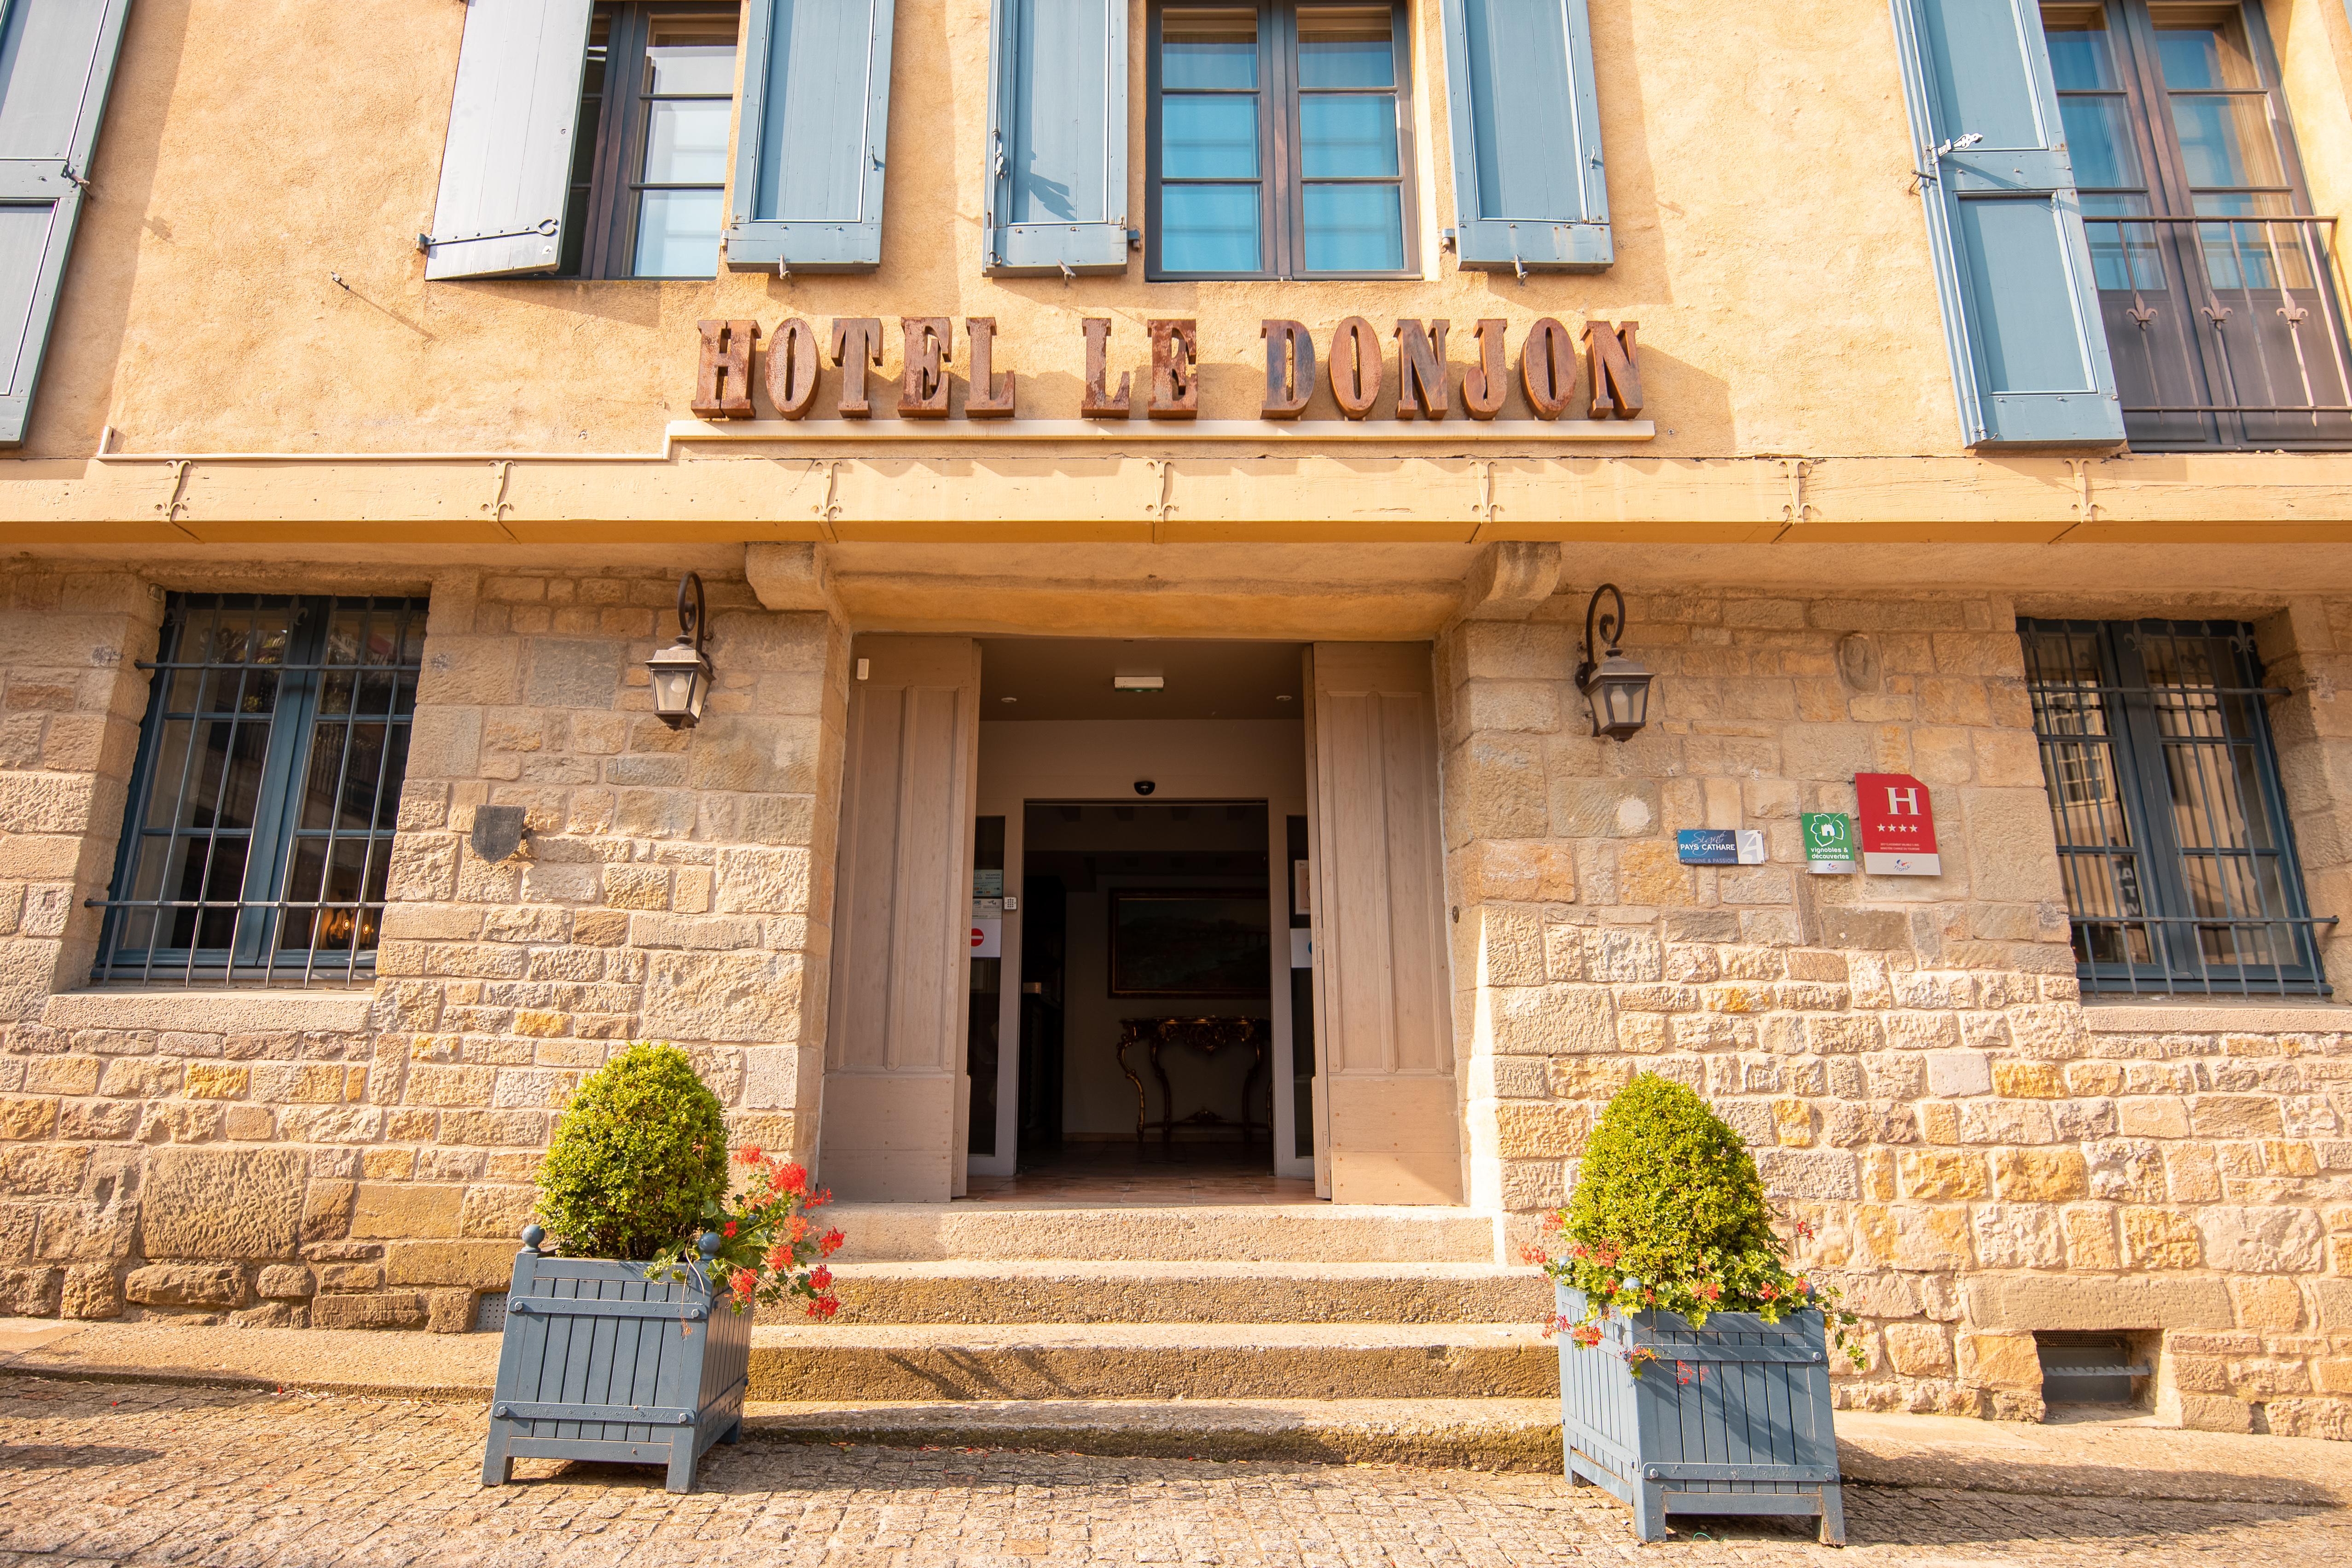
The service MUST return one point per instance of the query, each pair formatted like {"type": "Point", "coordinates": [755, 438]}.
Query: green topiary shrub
{"type": "Point", "coordinates": [1669, 1214]}
{"type": "Point", "coordinates": [640, 1153]}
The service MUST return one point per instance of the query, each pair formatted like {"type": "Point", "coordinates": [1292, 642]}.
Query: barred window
{"type": "Point", "coordinates": [261, 814]}
{"type": "Point", "coordinates": [2172, 836]}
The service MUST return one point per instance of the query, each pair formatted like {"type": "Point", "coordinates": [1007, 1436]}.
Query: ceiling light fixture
{"type": "Point", "coordinates": [1137, 683]}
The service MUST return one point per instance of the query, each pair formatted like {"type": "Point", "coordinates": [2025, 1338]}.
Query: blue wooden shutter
{"type": "Point", "coordinates": [57, 60]}
{"type": "Point", "coordinates": [808, 155]}
{"type": "Point", "coordinates": [506, 168]}
{"type": "Point", "coordinates": [1529, 187]}
{"type": "Point", "coordinates": [2021, 306]}
{"type": "Point", "coordinates": [1056, 178]}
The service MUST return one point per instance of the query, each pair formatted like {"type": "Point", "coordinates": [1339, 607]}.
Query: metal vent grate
{"type": "Point", "coordinates": [2088, 1369]}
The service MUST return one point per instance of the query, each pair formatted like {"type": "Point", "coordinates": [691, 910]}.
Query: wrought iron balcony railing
{"type": "Point", "coordinates": [2227, 332]}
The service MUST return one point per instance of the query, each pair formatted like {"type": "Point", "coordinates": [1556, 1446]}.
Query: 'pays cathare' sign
{"type": "Point", "coordinates": [794, 365]}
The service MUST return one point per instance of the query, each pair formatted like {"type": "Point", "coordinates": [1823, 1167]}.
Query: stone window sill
{"type": "Point", "coordinates": [2211, 1016]}
{"type": "Point", "coordinates": [218, 1011]}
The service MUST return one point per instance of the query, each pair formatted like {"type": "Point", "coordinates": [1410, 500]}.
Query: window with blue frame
{"type": "Point", "coordinates": [1279, 142]}
{"type": "Point", "coordinates": [649, 162]}
{"type": "Point", "coordinates": [2216, 276]}
{"type": "Point", "coordinates": [258, 836]}
{"type": "Point", "coordinates": [2173, 842]}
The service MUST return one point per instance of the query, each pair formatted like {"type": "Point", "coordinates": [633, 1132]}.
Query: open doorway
{"type": "Point", "coordinates": [1140, 1022]}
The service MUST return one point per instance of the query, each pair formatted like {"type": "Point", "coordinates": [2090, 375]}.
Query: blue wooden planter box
{"type": "Point", "coordinates": [1733, 1418]}
{"type": "Point", "coordinates": [600, 1363]}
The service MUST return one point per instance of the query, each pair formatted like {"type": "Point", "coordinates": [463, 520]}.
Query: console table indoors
{"type": "Point", "coordinates": [1207, 1035]}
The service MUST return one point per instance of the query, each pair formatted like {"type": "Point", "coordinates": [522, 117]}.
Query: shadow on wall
{"type": "Point", "coordinates": [77, 387]}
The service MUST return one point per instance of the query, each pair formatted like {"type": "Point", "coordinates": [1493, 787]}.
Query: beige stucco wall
{"type": "Point", "coordinates": [1759, 173]}
{"type": "Point", "coordinates": [203, 315]}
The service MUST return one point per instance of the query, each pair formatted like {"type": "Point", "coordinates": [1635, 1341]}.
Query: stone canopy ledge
{"type": "Point", "coordinates": [2203, 1015]}
{"type": "Point", "coordinates": [210, 1012]}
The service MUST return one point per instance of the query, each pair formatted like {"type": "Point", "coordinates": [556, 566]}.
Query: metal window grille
{"type": "Point", "coordinates": [2173, 840]}
{"type": "Point", "coordinates": [258, 836]}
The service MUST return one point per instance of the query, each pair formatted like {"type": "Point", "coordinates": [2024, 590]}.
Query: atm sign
{"type": "Point", "coordinates": [1897, 825]}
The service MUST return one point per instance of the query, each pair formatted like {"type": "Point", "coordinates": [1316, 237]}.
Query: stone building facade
{"type": "Point", "coordinates": [1993, 1138]}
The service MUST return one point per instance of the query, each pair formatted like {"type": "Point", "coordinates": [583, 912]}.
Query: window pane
{"type": "Point", "coordinates": [2081, 52]}
{"type": "Point", "coordinates": [2226, 140]}
{"type": "Point", "coordinates": [1208, 228]}
{"type": "Point", "coordinates": [704, 67]}
{"type": "Point", "coordinates": [677, 234]}
{"type": "Point", "coordinates": [2099, 134]}
{"type": "Point", "coordinates": [1208, 46]}
{"type": "Point", "coordinates": [1208, 138]}
{"type": "Point", "coordinates": [1344, 46]}
{"type": "Point", "coordinates": [1351, 136]}
{"type": "Point", "coordinates": [2124, 256]}
{"type": "Point", "coordinates": [1354, 228]}
{"type": "Point", "coordinates": [2204, 55]}
{"type": "Point", "coordinates": [686, 141]}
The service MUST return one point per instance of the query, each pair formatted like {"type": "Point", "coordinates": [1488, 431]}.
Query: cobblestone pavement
{"type": "Point", "coordinates": [138, 1474]}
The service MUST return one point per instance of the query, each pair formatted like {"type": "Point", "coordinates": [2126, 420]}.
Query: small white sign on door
{"type": "Point", "coordinates": [988, 927]}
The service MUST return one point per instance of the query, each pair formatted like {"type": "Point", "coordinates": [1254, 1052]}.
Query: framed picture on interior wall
{"type": "Point", "coordinates": [1187, 942]}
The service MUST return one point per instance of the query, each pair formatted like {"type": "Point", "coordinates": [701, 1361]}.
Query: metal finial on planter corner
{"type": "Point", "coordinates": [709, 1243]}
{"type": "Point", "coordinates": [532, 1237]}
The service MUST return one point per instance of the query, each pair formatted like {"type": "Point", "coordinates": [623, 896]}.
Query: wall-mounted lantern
{"type": "Point", "coordinates": [1617, 688]}
{"type": "Point", "coordinates": [681, 674]}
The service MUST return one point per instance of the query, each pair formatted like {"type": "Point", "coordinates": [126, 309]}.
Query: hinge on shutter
{"type": "Point", "coordinates": [546, 225]}
{"type": "Point", "coordinates": [1937, 154]}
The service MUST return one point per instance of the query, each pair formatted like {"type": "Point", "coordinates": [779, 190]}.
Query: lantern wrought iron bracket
{"type": "Point", "coordinates": [681, 672]}
{"type": "Point", "coordinates": [1615, 689]}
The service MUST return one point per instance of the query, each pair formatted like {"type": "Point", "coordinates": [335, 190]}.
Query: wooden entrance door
{"type": "Point", "coordinates": [1389, 1118]}
{"type": "Point", "coordinates": [895, 1087]}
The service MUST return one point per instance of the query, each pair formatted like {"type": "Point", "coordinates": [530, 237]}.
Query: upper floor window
{"type": "Point", "coordinates": [649, 159]}
{"type": "Point", "coordinates": [2223, 334]}
{"type": "Point", "coordinates": [258, 836]}
{"type": "Point", "coordinates": [1279, 145]}
{"type": "Point", "coordinates": [2180, 873]}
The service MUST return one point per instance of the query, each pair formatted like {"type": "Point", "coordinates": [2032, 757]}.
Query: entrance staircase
{"type": "Point", "coordinates": [1303, 1331]}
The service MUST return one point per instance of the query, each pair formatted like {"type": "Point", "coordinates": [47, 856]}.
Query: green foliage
{"type": "Point", "coordinates": [1669, 1214]}
{"type": "Point", "coordinates": [640, 1153]}
{"type": "Point", "coordinates": [1667, 1185]}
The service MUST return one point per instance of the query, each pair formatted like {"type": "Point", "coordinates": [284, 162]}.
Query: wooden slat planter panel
{"type": "Point", "coordinates": [599, 1362]}
{"type": "Point", "coordinates": [1733, 1418]}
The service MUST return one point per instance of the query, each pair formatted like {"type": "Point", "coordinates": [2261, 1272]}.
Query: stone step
{"type": "Point", "coordinates": [1233, 1233]}
{"type": "Point", "coordinates": [1033, 1291]}
{"type": "Point", "coordinates": [1454, 1434]}
{"type": "Point", "coordinates": [1151, 1360]}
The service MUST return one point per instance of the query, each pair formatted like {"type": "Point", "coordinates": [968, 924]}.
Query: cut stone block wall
{"type": "Point", "coordinates": [1976, 1154]}
{"type": "Point", "coordinates": [364, 1158]}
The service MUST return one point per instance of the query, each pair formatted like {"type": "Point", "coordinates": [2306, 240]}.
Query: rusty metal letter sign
{"type": "Point", "coordinates": [1175, 347]}
{"type": "Point", "coordinates": [722, 382]}
{"type": "Point", "coordinates": [1098, 402]}
{"type": "Point", "coordinates": [923, 393]}
{"type": "Point", "coordinates": [1357, 371]}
